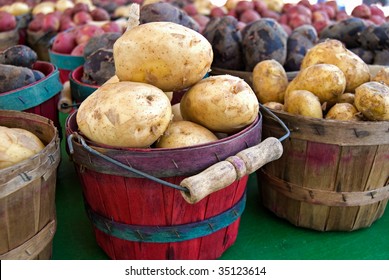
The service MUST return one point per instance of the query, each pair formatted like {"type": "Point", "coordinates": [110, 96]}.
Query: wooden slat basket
{"type": "Point", "coordinates": [136, 216]}
{"type": "Point", "coordinates": [332, 176]}
{"type": "Point", "coordinates": [27, 193]}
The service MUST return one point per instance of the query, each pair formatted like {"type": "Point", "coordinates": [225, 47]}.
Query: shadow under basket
{"type": "Point", "coordinates": [40, 97]}
{"type": "Point", "coordinates": [27, 193]}
{"type": "Point", "coordinates": [136, 217]}
{"type": "Point", "coordinates": [332, 176]}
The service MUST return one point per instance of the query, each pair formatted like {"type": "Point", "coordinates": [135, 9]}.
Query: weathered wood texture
{"type": "Point", "coordinates": [332, 176]}
{"type": "Point", "coordinates": [128, 199]}
{"type": "Point", "coordinates": [27, 193]}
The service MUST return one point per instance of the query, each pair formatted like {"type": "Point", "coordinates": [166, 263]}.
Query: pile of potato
{"type": "Point", "coordinates": [151, 60]}
{"type": "Point", "coordinates": [333, 83]}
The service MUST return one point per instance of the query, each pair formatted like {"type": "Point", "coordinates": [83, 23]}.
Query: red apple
{"type": "Point", "coordinates": [81, 18]}
{"type": "Point", "coordinates": [78, 50]}
{"type": "Point", "coordinates": [190, 9]}
{"type": "Point", "coordinates": [64, 42]}
{"type": "Point", "coordinates": [242, 6]}
{"type": "Point", "coordinates": [85, 32]}
{"type": "Point", "coordinates": [99, 14]}
{"type": "Point", "coordinates": [361, 11]}
{"type": "Point", "coordinates": [249, 16]}
{"type": "Point", "coordinates": [7, 21]}
{"type": "Point", "coordinates": [112, 26]}
{"type": "Point", "coordinates": [50, 23]}
{"type": "Point", "coordinates": [217, 12]}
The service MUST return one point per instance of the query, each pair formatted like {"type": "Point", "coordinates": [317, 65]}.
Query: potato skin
{"type": "Point", "coordinates": [222, 103]}
{"type": "Point", "coordinates": [343, 112]}
{"type": "Point", "coordinates": [372, 100]}
{"type": "Point", "coordinates": [164, 54]}
{"type": "Point", "coordinates": [263, 39]}
{"type": "Point", "coordinates": [184, 134]}
{"type": "Point", "coordinates": [269, 81]}
{"type": "Point", "coordinates": [304, 103]}
{"type": "Point", "coordinates": [125, 114]}
{"type": "Point", "coordinates": [382, 76]}
{"type": "Point", "coordinates": [16, 145]}
{"type": "Point", "coordinates": [326, 81]}
{"type": "Point", "coordinates": [332, 51]}
{"type": "Point", "coordinates": [14, 77]}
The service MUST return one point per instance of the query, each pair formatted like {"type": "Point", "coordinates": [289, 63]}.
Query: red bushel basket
{"type": "Point", "coordinates": [182, 203]}
{"type": "Point", "coordinates": [40, 97]}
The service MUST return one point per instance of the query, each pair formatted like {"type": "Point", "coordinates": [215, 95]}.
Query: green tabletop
{"type": "Point", "coordinates": [262, 235]}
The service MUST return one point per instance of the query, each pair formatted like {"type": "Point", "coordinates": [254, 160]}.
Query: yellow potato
{"type": "Point", "coordinates": [382, 76]}
{"type": "Point", "coordinates": [372, 100]}
{"type": "Point", "coordinates": [125, 114]}
{"type": "Point", "coordinates": [184, 134]}
{"type": "Point", "coordinates": [326, 81]}
{"type": "Point", "coordinates": [167, 55]}
{"type": "Point", "coordinates": [269, 81]}
{"type": "Point", "coordinates": [221, 103]}
{"type": "Point", "coordinates": [332, 51]}
{"type": "Point", "coordinates": [16, 145]}
{"type": "Point", "coordinates": [274, 106]}
{"type": "Point", "coordinates": [347, 98]}
{"type": "Point", "coordinates": [304, 103]}
{"type": "Point", "coordinates": [343, 112]}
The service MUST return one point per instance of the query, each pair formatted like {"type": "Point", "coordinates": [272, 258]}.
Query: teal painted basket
{"type": "Point", "coordinates": [65, 63]}
{"type": "Point", "coordinates": [40, 98]}
{"type": "Point", "coordinates": [80, 91]}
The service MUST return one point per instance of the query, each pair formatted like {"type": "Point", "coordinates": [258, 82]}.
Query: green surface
{"type": "Point", "coordinates": [262, 235]}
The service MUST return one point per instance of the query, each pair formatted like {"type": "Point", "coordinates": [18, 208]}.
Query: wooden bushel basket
{"type": "Point", "coordinates": [27, 193]}
{"type": "Point", "coordinates": [40, 98]}
{"type": "Point", "coordinates": [157, 211]}
{"type": "Point", "coordinates": [332, 176]}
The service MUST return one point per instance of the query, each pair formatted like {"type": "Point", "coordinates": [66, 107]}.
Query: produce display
{"type": "Point", "coordinates": [16, 145]}
{"type": "Point", "coordinates": [333, 83]}
{"type": "Point", "coordinates": [16, 67]}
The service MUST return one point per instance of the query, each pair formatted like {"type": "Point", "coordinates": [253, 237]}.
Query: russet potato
{"type": "Point", "coordinates": [125, 114]}
{"type": "Point", "coordinates": [269, 81]}
{"type": "Point", "coordinates": [16, 145]}
{"type": "Point", "coordinates": [326, 81]}
{"type": "Point", "coordinates": [304, 103]}
{"type": "Point", "coordinates": [221, 103]}
{"type": "Point", "coordinates": [333, 51]}
{"type": "Point", "coordinates": [372, 100]}
{"type": "Point", "coordinates": [164, 54]}
{"type": "Point", "coordinates": [343, 112]}
{"type": "Point", "coordinates": [184, 134]}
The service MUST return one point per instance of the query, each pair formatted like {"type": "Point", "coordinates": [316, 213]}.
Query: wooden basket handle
{"type": "Point", "coordinates": [224, 173]}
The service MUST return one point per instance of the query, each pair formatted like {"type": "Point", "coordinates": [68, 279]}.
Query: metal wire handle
{"type": "Point", "coordinates": [75, 135]}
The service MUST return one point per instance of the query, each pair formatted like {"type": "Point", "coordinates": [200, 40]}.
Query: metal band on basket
{"type": "Point", "coordinates": [163, 234]}
{"type": "Point", "coordinates": [325, 197]}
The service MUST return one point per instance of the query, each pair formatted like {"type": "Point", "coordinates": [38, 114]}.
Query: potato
{"type": "Point", "coordinates": [222, 103]}
{"type": "Point", "coordinates": [14, 77]}
{"type": "Point", "coordinates": [164, 54]}
{"type": "Point", "coordinates": [225, 38]}
{"type": "Point", "coordinates": [347, 97]}
{"type": "Point", "coordinates": [269, 81]}
{"type": "Point", "coordinates": [102, 41]}
{"type": "Point", "coordinates": [261, 40]}
{"type": "Point", "coordinates": [343, 112]}
{"type": "Point", "coordinates": [304, 103]}
{"type": "Point", "coordinates": [16, 145]}
{"type": "Point", "coordinates": [326, 81]}
{"type": "Point", "coordinates": [372, 100]}
{"type": "Point", "coordinates": [382, 76]}
{"type": "Point", "coordinates": [183, 134]}
{"type": "Point", "coordinates": [98, 67]}
{"type": "Point", "coordinates": [274, 106]}
{"type": "Point", "coordinates": [333, 52]}
{"type": "Point", "coordinates": [125, 114]}
{"type": "Point", "coordinates": [19, 55]}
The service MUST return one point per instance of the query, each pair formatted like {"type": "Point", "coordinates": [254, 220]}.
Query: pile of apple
{"type": "Point", "coordinates": [64, 14]}
{"type": "Point", "coordinates": [291, 16]}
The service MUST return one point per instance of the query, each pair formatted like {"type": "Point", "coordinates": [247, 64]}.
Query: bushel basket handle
{"type": "Point", "coordinates": [215, 177]}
